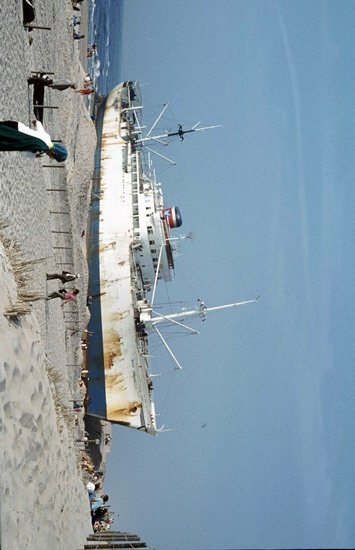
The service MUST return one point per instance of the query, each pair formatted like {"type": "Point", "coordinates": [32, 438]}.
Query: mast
{"type": "Point", "coordinates": [200, 311]}
{"type": "Point", "coordinates": [180, 133]}
{"type": "Point", "coordinates": [174, 318]}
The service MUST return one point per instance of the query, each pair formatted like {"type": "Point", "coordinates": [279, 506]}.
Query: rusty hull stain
{"type": "Point", "coordinates": [107, 246]}
{"type": "Point", "coordinates": [118, 315]}
{"type": "Point", "coordinates": [112, 348]}
{"type": "Point", "coordinates": [115, 382]}
{"type": "Point", "coordinates": [125, 412]}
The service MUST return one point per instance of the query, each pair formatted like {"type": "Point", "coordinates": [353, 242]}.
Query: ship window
{"type": "Point", "coordinates": [151, 242]}
{"type": "Point", "coordinates": [153, 250]}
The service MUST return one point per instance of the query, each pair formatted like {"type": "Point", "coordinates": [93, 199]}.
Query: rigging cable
{"type": "Point", "coordinates": [168, 392]}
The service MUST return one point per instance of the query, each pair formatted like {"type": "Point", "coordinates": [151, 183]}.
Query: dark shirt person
{"type": "Point", "coordinates": [16, 136]}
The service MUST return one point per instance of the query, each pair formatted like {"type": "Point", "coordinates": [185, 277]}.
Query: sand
{"type": "Point", "coordinates": [43, 498]}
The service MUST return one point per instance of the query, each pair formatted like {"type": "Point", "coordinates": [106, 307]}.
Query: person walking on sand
{"type": "Point", "coordinates": [60, 84]}
{"type": "Point", "coordinates": [65, 276]}
{"type": "Point", "coordinates": [15, 136]}
{"type": "Point", "coordinates": [85, 91]}
{"type": "Point", "coordinates": [64, 294]}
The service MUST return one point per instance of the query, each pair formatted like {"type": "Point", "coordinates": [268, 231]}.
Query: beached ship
{"type": "Point", "coordinates": [130, 249]}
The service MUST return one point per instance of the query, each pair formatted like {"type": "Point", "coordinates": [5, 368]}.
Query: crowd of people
{"type": "Point", "coordinates": [101, 517]}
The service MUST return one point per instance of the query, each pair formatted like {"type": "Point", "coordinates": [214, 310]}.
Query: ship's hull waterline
{"type": "Point", "coordinates": [119, 388]}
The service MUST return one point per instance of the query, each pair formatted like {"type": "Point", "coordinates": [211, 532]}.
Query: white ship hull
{"type": "Point", "coordinates": [115, 356]}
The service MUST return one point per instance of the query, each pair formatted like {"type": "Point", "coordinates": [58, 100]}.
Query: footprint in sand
{"type": "Point", "coordinates": [7, 368]}
{"type": "Point", "coordinates": [37, 396]}
{"type": "Point", "coordinates": [12, 375]}
{"type": "Point", "coordinates": [17, 345]}
{"type": "Point", "coordinates": [35, 471]}
{"type": "Point", "coordinates": [16, 375]}
{"type": "Point", "coordinates": [9, 410]}
{"type": "Point", "coordinates": [45, 444]}
{"type": "Point", "coordinates": [8, 461]}
{"type": "Point", "coordinates": [39, 423]}
{"type": "Point", "coordinates": [33, 452]}
{"type": "Point", "coordinates": [3, 377]}
{"type": "Point", "coordinates": [36, 353]}
{"type": "Point", "coordinates": [27, 420]}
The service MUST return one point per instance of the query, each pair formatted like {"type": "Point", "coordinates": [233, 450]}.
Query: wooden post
{"type": "Point", "coordinates": [106, 537]}
{"type": "Point", "coordinates": [58, 212]}
{"type": "Point", "coordinates": [30, 26]}
{"type": "Point", "coordinates": [45, 106]}
{"type": "Point", "coordinates": [108, 545]}
{"type": "Point", "coordinates": [113, 534]}
{"type": "Point", "coordinates": [41, 72]}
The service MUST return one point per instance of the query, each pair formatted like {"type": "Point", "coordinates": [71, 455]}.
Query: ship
{"type": "Point", "coordinates": [131, 248]}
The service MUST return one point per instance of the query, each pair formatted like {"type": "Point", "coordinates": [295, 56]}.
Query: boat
{"type": "Point", "coordinates": [130, 248]}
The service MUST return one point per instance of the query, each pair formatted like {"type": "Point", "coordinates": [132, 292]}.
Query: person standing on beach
{"type": "Point", "coordinates": [65, 276]}
{"type": "Point", "coordinates": [91, 50]}
{"type": "Point", "coordinates": [98, 502]}
{"type": "Point", "coordinates": [76, 2]}
{"type": "Point", "coordinates": [15, 136]}
{"type": "Point", "coordinates": [87, 81]}
{"type": "Point", "coordinates": [64, 294]}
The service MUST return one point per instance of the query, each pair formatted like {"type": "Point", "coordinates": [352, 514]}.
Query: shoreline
{"type": "Point", "coordinates": [43, 214]}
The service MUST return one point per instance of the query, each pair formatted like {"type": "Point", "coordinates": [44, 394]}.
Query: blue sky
{"type": "Point", "coordinates": [270, 200]}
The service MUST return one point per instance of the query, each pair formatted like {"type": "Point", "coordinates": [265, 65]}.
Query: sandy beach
{"type": "Point", "coordinates": [43, 217]}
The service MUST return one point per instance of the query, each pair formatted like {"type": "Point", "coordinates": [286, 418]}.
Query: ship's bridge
{"type": "Point", "coordinates": [153, 248]}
